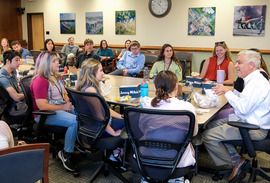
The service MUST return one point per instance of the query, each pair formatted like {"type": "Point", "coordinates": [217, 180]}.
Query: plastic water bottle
{"type": "Point", "coordinates": [144, 90]}
{"type": "Point", "coordinates": [146, 75]}
{"type": "Point", "coordinates": [191, 90]}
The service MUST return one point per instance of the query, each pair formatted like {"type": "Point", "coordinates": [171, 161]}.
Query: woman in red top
{"type": "Point", "coordinates": [221, 60]}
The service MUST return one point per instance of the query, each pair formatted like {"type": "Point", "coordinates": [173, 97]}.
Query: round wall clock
{"type": "Point", "coordinates": [159, 8]}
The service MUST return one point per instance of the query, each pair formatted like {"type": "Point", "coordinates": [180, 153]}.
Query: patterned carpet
{"type": "Point", "coordinates": [88, 164]}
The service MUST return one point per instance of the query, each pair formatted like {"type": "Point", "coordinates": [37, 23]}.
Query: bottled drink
{"type": "Point", "coordinates": [191, 90]}
{"type": "Point", "coordinates": [146, 75]}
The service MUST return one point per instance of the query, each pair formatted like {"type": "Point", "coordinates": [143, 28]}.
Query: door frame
{"type": "Point", "coordinates": [29, 29]}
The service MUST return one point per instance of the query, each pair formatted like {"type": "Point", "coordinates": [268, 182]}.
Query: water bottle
{"type": "Point", "coordinates": [144, 90]}
{"type": "Point", "coordinates": [191, 91]}
{"type": "Point", "coordinates": [146, 75]}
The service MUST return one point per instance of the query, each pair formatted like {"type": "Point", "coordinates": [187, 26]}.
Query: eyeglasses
{"type": "Point", "coordinates": [221, 42]}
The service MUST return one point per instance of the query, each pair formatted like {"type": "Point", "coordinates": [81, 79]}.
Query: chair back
{"type": "Point", "coordinates": [149, 60]}
{"type": "Point", "coordinates": [35, 54]}
{"type": "Point", "coordinates": [184, 66]}
{"type": "Point", "coordinates": [159, 139]}
{"type": "Point", "coordinates": [25, 163]}
{"type": "Point", "coordinates": [5, 101]}
{"type": "Point", "coordinates": [25, 83]}
{"type": "Point", "coordinates": [63, 58]}
{"type": "Point", "coordinates": [184, 56]}
{"type": "Point", "coordinates": [93, 115]}
{"type": "Point", "coordinates": [201, 66]}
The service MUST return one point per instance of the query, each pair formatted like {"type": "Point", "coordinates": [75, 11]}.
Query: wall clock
{"type": "Point", "coordinates": [159, 8]}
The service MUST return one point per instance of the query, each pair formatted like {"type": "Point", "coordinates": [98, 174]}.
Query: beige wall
{"type": "Point", "coordinates": [150, 31]}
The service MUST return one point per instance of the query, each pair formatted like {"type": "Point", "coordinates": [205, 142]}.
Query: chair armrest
{"type": "Point", "coordinates": [44, 112]}
{"type": "Point", "coordinates": [243, 125]}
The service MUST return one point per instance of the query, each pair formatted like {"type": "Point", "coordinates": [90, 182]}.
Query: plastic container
{"type": "Point", "coordinates": [146, 75]}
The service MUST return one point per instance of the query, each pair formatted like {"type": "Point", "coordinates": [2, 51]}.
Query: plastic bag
{"type": "Point", "coordinates": [211, 99]}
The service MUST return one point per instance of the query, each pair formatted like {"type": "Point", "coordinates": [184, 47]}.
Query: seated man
{"type": "Point", "coordinates": [89, 53]}
{"type": "Point", "coordinates": [17, 47]}
{"type": "Point", "coordinates": [250, 106]}
{"type": "Point", "coordinates": [8, 75]}
{"type": "Point", "coordinates": [71, 50]}
{"type": "Point", "coordinates": [131, 62]}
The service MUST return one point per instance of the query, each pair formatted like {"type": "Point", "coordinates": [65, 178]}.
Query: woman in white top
{"type": "Point", "coordinates": [166, 90]}
{"type": "Point", "coordinates": [6, 136]}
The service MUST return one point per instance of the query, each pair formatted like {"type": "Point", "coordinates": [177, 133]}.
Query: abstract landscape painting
{"type": "Point", "coordinates": [67, 23]}
{"type": "Point", "coordinates": [125, 22]}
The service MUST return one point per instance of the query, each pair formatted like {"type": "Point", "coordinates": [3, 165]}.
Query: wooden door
{"type": "Point", "coordinates": [35, 26]}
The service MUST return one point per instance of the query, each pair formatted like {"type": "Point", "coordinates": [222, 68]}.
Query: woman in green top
{"type": "Point", "coordinates": [4, 46]}
{"type": "Point", "coordinates": [167, 61]}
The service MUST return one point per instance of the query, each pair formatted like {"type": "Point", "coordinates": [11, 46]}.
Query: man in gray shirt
{"type": "Point", "coordinates": [71, 50]}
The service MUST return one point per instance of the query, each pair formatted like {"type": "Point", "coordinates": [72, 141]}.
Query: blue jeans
{"type": "Point", "coordinates": [65, 119]}
{"type": "Point", "coordinates": [116, 124]}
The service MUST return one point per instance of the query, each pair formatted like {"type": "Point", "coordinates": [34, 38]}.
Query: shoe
{"type": "Point", "coordinates": [143, 180]}
{"type": "Point", "coordinates": [237, 169]}
{"type": "Point", "coordinates": [79, 148]}
{"type": "Point", "coordinates": [66, 160]}
{"type": "Point", "coordinates": [177, 180]}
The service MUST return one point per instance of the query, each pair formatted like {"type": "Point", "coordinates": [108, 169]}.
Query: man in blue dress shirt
{"type": "Point", "coordinates": [17, 47]}
{"type": "Point", "coordinates": [131, 62]}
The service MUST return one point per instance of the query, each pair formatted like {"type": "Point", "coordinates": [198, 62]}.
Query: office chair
{"type": "Point", "coordinates": [201, 66]}
{"type": "Point", "coordinates": [93, 116]}
{"type": "Point", "coordinates": [43, 132]}
{"type": "Point", "coordinates": [20, 124]}
{"type": "Point", "coordinates": [35, 54]}
{"type": "Point", "coordinates": [62, 59]}
{"type": "Point", "coordinates": [25, 163]}
{"type": "Point", "coordinates": [187, 57]}
{"type": "Point", "coordinates": [157, 150]}
{"type": "Point", "coordinates": [250, 147]}
{"type": "Point", "coordinates": [184, 66]}
{"type": "Point", "coordinates": [149, 62]}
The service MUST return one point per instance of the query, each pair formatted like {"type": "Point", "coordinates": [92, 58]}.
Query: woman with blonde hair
{"type": "Point", "coordinates": [220, 60]}
{"type": "Point", "coordinates": [49, 93]}
{"type": "Point", "coordinates": [90, 76]}
{"type": "Point", "coordinates": [4, 46]}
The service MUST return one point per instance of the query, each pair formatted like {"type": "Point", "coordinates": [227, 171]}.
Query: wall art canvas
{"type": "Point", "coordinates": [94, 22]}
{"type": "Point", "coordinates": [201, 21]}
{"type": "Point", "coordinates": [67, 23]}
{"type": "Point", "coordinates": [249, 20]}
{"type": "Point", "coordinates": [125, 22]}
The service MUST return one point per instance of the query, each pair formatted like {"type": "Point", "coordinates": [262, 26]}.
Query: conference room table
{"type": "Point", "coordinates": [117, 81]}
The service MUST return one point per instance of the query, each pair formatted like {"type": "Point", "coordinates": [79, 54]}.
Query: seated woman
{"type": "Point", "coordinates": [221, 60]}
{"type": "Point", "coordinates": [166, 90]}
{"type": "Point", "coordinates": [4, 46]}
{"type": "Point", "coordinates": [6, 136]}
{"type": "Point", "coordinates": [92, 73]}
{"type": "Point", "coordinates": [104, 52]}
{"type": "Point", "coordinates": [49, 45]}
{"type": "Point", "coordinates": [127, 48]}
{"type": "Point", "coordinates": [167, 61]}
{"type": "Point", "coordinates": [49, 93]}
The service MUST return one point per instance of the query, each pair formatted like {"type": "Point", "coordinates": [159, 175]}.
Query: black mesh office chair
{"type": "Point", "coordinates": [93, 116]}
{"type": "Point", "coordinates": [159, 148]}
{"type": "Point", "coordinates": [20, 124]}
{"type": "Point", "coordinates": [43, 132]}
{"type": "Point", "coordinates": [250, 147]}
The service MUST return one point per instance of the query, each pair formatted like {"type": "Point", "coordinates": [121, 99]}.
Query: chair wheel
{"type": "Point", "coordinates": [217, 177]}
{"type": "Point", "coordinates": [76, 173]}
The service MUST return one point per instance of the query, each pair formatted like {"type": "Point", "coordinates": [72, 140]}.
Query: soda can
{"type": "Point", "coordinates": [68, 82]}
{"type": "Point", "coordinates": [65, 69]}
